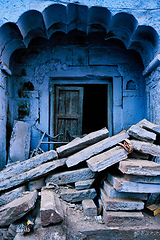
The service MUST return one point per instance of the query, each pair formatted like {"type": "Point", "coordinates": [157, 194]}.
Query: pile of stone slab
{"type": "Point", "coordinates": [127, 186]}
{"type": "Point", "coordinates": [84, 171]}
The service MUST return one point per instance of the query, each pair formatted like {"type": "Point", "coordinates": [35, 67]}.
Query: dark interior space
{"type": "Point", "coordinates": [94, 107]}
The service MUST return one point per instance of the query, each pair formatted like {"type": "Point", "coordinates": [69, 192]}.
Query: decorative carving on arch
{"type": "Point", "coordinates": [58, 18]}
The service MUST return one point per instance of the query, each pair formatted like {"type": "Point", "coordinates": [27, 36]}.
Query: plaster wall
{"type": "Point", "coordinates": [3, 118]}
{"type": "Point", "coordinates": [153, 93]}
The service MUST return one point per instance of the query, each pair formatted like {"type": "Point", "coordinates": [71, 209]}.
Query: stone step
{"type": "Point", "coordinates": [121, 185]}
{"type": "Point", "coordinates": [141, 134]}
{"type": "Point", "coordinates": [70, 176]}
{"type": "Point", "coordinates": [51, 211]}
{"type": "Point", "coordinates": [119, 219]}
{"type": "Point", "coordinates": [16, 209]}
{"type": "Point", "coordinates": [79, 143]}
{"type": "Point", "coordinates": [112, 193]}
{"type": "Point", "coordinates": [73, 195]}
{"type": "Point", "coordinates": [146, 147]}
{"type": "Point", "coordinates": [85, 184]}
{"type": "Point", "coordinates": [139, 167]}
{"type": "Point", "coordinates": [106, 159]}
{"type": "Point", "coordinates": [95, 149]}
{"type": "Point", "coordinates": [120, 204]}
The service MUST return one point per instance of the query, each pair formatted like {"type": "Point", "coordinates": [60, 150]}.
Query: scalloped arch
{"type": "Point", "coordinates": [74, 17]}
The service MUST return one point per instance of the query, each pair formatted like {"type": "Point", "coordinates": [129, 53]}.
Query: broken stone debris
{"type": "Point", "coordinates": [94, 160]}
{"type": "Point", "coordinates": [17, 208]}
{"type": "Point", "coordinates": [89, 208]}
{"type": "Point", "coordinates": [51, 210]}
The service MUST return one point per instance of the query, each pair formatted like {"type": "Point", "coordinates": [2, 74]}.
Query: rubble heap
{"type": "Point", "coordinates": [112, 177]}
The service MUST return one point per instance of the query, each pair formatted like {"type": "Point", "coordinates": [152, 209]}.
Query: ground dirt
{"type": "Point", "coordinates": [78, 227]}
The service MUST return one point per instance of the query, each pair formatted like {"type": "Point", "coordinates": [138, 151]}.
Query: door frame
{"type": "Point", "coordinates": [78, 81]}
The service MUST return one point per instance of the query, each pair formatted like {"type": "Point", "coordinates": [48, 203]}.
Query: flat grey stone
{"type": "Point", "coordinates": [70, 176]}
{"type": "Point", "coordinates": [139, 167]}
{"type": "Point", "coordinates": [16, 209]}
{"type": "Point", "coordinates": [142, 179]}
{"type": "Point", "coordinates": [95, 149]}
{"type": "Point", "coordinates": [149, 126]}
{"type": "Point", "coordinates": [122, 218]}
{"type": "Point", "coordinates": [112, 193]}
{"type": "Point", "coordinates": [32, 174]}
{"type": "Point", "coordinates": [73, 195]}
{"type": "Point", "coordinates": [11, 195]}
{"type": "Point", "coordinates": [122, 185]}
{"type": "Point", "coordinates": [20, 142]}
{"type": "Point", "coordinates": [141, 134]}
{"type": "Point", "coordinates": [20, 167]}
{"type": "Point", "coordinates": [106, 159]}
{"type": "Point", "coordinates": [146, 147]}
{"type": "Point", "coordinates": [85, 184]}
{"type": "Point", "coordinates": [79, 143]}
{"type": "Point", "coordinates": [120, 204]}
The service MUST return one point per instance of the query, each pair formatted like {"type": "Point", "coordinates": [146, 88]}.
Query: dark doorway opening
{"type": "Point", "coordinates": [95, 105]}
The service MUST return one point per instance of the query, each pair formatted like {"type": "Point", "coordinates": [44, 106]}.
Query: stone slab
{"type": "Point", "coordinates": [146, 147]}
{"type": "Point", "coordinates": [95, 149]}
{"type": "Point", "coordinates": [36, 184]}
{"type": "Point", "coordinates": [70, 176]}
{"type": "Point", "coordinates": [112, 218]}
{"type": "Point", "coordinates": [142, 179]}
{"type": "Point", "coordinates": [157, 159]}
{"type": "Point", "coordinates": [79, 143]}
{"type": "Point", "coordinates": [121, 185]}
{"type": "Point", "coordinates": [106, 159]}
{"type": "Point", "coordinates": [51, 210]}
{"type": "Point", "coordinates": [112, 193]}
{"type": "Point", "coordinates": [141, 134]}
{"type": "Point", "coordinates": [73, 195]}
{"type": "Point", "coordinates": [89, 208]}
{"type": "Point", "coordinates": [16, 209]}
{"type": "Point", "coordinates": [85, 184]}
{"type": "Point", "coordinates": [20, 167]}
{"type": "Point", "coordinates": [32, 174]}
{"type": "Point", "coordinates": [11, 195]}
{"type": "Point", "coordinates": [120, 204]}
{"type": "Point", "coordinates": [149, 126]}
{"type": "Point", "coordinates": [20, 142]}
{"type": "Point", "coordinates": [139, 167]}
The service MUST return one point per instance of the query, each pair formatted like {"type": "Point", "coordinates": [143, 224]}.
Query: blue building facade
{"type": "Point", "coordinates": [74, 68]}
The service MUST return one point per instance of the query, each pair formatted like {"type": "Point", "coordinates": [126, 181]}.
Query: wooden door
{"type": "Point", "coordinates": [68, 111]}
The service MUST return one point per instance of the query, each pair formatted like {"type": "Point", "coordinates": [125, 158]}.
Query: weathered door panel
{"type": "Point", "coordinates": [68, 111]}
